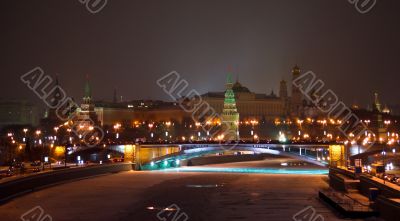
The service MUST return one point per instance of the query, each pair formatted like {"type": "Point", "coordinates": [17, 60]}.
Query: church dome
{"type": "Point", "coordinates": [296, 70]}
{"type": "Point", "coordinates": [237, 87]}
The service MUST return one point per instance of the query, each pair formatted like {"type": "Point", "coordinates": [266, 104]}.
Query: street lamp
{"type": "Point", "coordinates": [56, 130]}
{"type": "Point", "coordinates": [116, 128]}
{"type": "Point", "coordinates": [168, 124]}
{"type": "Point", "coordinates": [25, 130]}
{"type": "Point", "coordinates": [150, 125]}
{"type": "Point", "coordinates": [38, 132]}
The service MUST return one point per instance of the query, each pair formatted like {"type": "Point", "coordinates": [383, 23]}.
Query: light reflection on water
{"type": "Point", "coordinates": [249, 170]}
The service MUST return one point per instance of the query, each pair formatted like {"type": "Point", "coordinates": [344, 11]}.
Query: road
{"type": "Point", "coordinates": [140, 195]}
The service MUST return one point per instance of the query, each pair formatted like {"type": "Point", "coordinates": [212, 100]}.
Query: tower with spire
{"type": "Point", "coordinates": [87, 115]}
{"type": "Point", "coordinates": [376, 105]}
{"type": "Point", "coordinates": [297, 98]}
{"type": "Point", "coordinates": [87, 98]}
{"type": "Point", "coordinates": [230, 115]}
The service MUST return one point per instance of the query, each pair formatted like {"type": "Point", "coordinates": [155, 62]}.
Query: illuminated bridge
{"type": "Point", "coordinates": [160, 156]}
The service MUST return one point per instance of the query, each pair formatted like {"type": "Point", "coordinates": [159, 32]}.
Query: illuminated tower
{"type": "Point", "coordinates": [376, 106]}
{"type": "Point", "coordinates": [230, 116]}
{"type": "Point", "coordinates": [87, 116]}
{"type": "Point", "coordinates": [296, 100]}
{"type": "Point", "coordinates": [87, 98]}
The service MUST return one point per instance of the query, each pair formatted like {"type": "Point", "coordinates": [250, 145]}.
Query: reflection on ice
{"type": "Point", "coordinates": [250, 170]}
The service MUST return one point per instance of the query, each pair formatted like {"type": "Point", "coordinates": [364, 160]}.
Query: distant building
{"type": "Point", "coordinates": [18, 113]}
{"type": "Point", "coordinates": [129, 112]}
{"type": "Point", "coordinates": [249, 105]}
{"type": "Point", "coordinates": [252, 105]}
{"type": "Point", "coordinates": [103, 113]}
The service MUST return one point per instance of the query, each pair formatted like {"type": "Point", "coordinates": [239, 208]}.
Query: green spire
{"type": "Point", "coordinates": [229, 79]}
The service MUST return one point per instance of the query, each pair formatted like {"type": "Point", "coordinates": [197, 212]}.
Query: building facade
{"type": "Point", "coordinates": [18, 113]}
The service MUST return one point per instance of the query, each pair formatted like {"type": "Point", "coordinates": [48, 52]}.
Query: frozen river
{"type": "Point", "coordinates": [199, 195]}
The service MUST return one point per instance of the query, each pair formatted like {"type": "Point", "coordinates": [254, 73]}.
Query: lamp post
{"type": "Point", "coordinates": [38, 132]}
{"type": "Point", "coordinates": [387, 123]}
{"type": "Point", "coordinates": [116, 128]}
{"type": "Point", "coordinates": [168, 124]}
{"type": "Point", "coordinates": [384, 163]}
{"type": "Point", "coordinates": [150, 125]}
{"type": "Point", "coordinates": [25, 130]}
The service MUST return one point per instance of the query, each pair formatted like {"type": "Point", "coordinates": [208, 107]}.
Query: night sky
{"type": "Point", "coordinates": [130, 44]}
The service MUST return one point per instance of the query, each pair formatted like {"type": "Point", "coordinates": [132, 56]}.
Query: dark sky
{"type": "Point", "coordinates": [131, 43]}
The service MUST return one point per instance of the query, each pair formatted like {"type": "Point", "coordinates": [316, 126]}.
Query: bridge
{"type": "Point", "coordinates": [152, 156]}
{"type": "Point", "coordinates": [159, 156]}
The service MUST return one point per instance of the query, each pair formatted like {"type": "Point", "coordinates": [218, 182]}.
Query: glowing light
{"type": "Point", "coordinates": [282, 137]}
{"type": "Point", "coordinates": [251, 170]}
{"type": "Point", "coordinates": [117, 126]}
{"type": "Point", "coordinates": [59, 150]}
